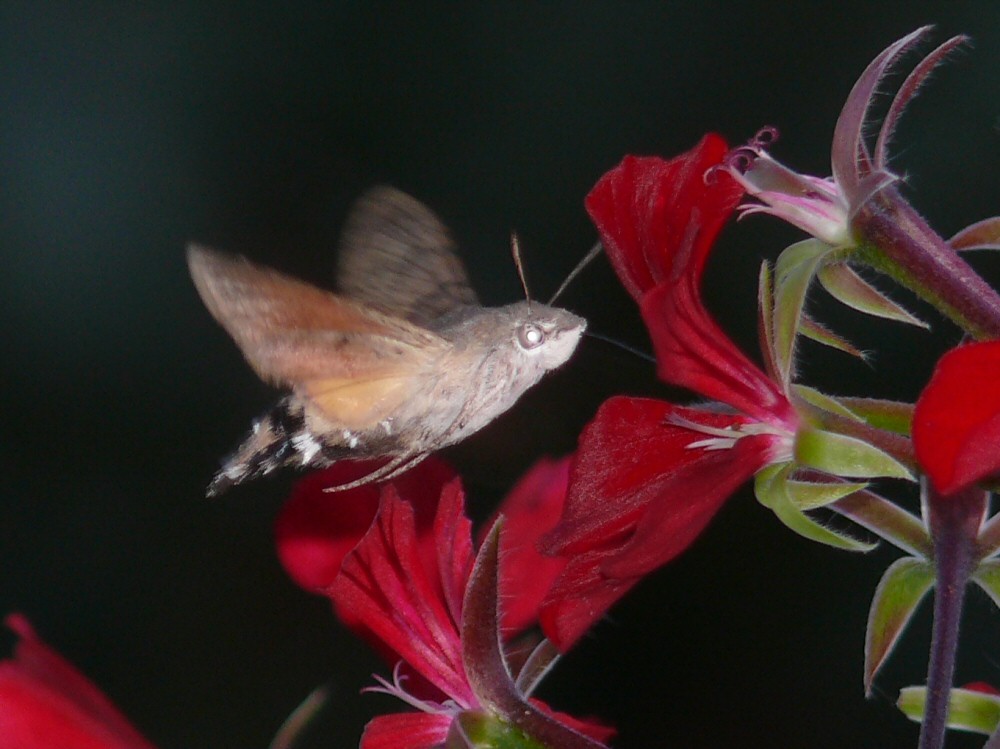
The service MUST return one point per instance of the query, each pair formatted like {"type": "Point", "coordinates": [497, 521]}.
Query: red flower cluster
{"type": "Point", "coordinates": [399, 566]}
{"type": "Point", "coordinates": [650, 475]}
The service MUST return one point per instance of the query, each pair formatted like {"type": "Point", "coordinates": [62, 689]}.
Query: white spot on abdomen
{"type": "Point", "coordinates": [307, 446]}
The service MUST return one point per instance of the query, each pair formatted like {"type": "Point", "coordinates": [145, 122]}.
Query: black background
{"type": "Point", "coordinates": [126, 133]}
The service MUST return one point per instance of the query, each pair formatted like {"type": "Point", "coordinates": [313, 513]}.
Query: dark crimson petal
{"type": "Point", "coordinates": [46, 703]}
{"type": "Point", "coordinates": [693, 352]}
{"type": "Point", "coordinates": [532, 509]}
{"type": "Point", "coordinates": [453, 544]}
{"type": "Point", "coordinates": [385, 583]}
{"type": "Point", "coordinates": [628, 455]}
{"type": "Point", "coordinates": [956, 423]}
{"type": "Point", "coordinates": [580, 597]}
{"type": "Point", "coordinates": [406, 731]}
{"type": "Point", "coordinates": [639, 495]}
{"type": "Point", "coordinates": [686, 505]}
{"type": "Point", "coordinates": [658, 219]}
{"type": "Point", "coordinates": [316, 529]}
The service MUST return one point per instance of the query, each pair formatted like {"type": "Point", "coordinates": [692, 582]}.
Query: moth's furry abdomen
{"type": "Point", "coordinates": [281, 438]}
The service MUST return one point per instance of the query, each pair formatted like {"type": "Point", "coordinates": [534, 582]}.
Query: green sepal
{"type": "Point", "coordinates": [982, 235]}
{"type": "Point", "coordinates": [480, 730]}
{"type": "Point", "coordinates": [899, 592]}
{"type": "Point", "coordinates": [847, 287]}
{"type": "Point", "coordinates": [811, 495]}
{"type": "Point", "coordinates": [771, 490]}
{"type": "Point", "coordinates": [987, 577]}
{"type": "Point", "coordinates": [892, 416]}
{"type": "Point", "coordinates": [765, 319]}
{"type": "Point", "coordinates": [818, 332]}
{"type": "Point", "coordinates": [886, 520]}
{"type": "Point", "coordinates": [845, 456]}
{"type": "Point", "coordinates": [824, 402]}
{"type": "Point", "coordinates": [793, 272]}
{"type": "Point", "coordinates": [968, 709]}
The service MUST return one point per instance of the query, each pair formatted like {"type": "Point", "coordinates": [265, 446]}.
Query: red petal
{"type": "Point", "coordinates": [580, 597]}
{"type": "Point", "coordinates": [592, 728]}
{"type": "Point", "coordinates": [693, 352]}
{"type": "Point", "coordinates": [531, 510]}
{"type": "Point", "coordinates": [393, 593]}
{"type": "Point", "coordinates": [46, 703]}
{"type": "Point", "coordinates": [981, 686]}
{"type": "Point", "coordinates": [406, 731]}
{"type": "Point", "coordinates": [639, 495]}
{"type": "Point", "coordinates": [658, 219]}
{"type": "Point", "coordinates": [956, 423]}
{"type": "Point", "coordinates": [316, 529]}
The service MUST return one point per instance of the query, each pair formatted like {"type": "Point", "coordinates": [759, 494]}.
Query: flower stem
{"type": "Point", "coordinates": [954, 522]}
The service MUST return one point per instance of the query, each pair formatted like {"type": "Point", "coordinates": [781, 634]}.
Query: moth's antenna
{"type": "Point", "coordinates": [594, 251]}
{"type": "Point", "coordinates": [623, 346]}
{"type": "Point", "coordinates": [515, 250]}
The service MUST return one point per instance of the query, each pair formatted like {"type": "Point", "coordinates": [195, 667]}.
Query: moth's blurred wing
{"type": "Point", "coordinates": [361, 402]}
{"type": "Point", "coordinates": [294, 334]}
{"type": "Point", "coordinates": [396, 254]}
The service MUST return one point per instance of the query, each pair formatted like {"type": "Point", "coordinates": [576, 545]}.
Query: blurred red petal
{"type": "Point", "coordinates": [45, 703]}
{"type": "Point", "coordinates": [406, 731]}
{"type": "Point", "coordinates": [981, 686]}
{"type": "Point", "coordinates": [956, 423]}
{"type": "Point", "coordinates": [532, 509]}
{"type": "Point", "coordinates": [316, 529]}
{"type": "Point", "coordinates": [658, 219]}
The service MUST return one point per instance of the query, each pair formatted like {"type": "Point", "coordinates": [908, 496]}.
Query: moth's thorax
{"type": "Point", "coordinates": [492, 364]}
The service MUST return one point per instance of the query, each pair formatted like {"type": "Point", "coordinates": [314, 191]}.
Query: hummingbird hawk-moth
{"type": "Point", "coordinates": [401, 361]}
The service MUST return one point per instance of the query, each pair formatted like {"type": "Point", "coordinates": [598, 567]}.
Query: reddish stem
{"type": "Point", "coordinates": [954, 523]}
{"type": "Point", "coordinates": [897, 241]}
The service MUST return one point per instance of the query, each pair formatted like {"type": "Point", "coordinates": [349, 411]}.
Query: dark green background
{"type": "Point", "coordinates": [125, 133]}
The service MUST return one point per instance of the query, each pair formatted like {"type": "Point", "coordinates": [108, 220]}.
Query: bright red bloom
{"type": "Point", "coordinates": [45, 703]}
{"type": "Point", "coordinates": [649, 476]}
{"type": "Point", "coordinates": [404, 582]}
{"type": "Point", "coordinates": [956, 423]}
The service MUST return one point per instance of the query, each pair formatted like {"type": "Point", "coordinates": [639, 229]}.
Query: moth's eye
{"type": "Point", "coordinates": [530, 336]}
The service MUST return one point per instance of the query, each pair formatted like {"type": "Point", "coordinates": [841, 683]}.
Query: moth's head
{"type": "Point", "coordinates": [544, 336]}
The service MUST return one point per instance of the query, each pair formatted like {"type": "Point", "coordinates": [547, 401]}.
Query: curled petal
{"type": "Point", "coordinates": [693, 352]}
{"type": "Point", "coordinates": [956, 423]}
{"type": "Point", "coordinates": [658, 219]}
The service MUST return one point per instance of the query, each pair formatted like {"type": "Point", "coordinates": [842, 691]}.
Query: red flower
{"type": "Point", "coordinates": [45, 703]}
{"type": "Point", "coordinates": [648, 475]}
{"type": "Point", "coordinates": [406, 583]}
{"type": "Point", "coordinates": [956, 424]}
